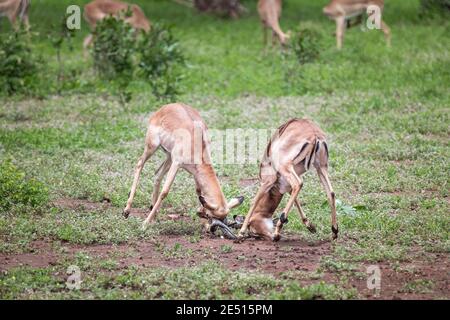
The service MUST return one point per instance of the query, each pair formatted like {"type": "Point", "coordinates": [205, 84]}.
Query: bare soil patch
{"type": "Point", "coordinates": [290, 254]}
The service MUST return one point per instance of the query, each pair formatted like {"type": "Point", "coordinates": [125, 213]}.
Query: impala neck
{"type": "Point", "coordinates": [269, 202]}
{"type": "Point", "coordinates": [209, 185]}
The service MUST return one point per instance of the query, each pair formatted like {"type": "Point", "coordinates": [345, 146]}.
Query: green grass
{"type": "Point", "coordinates": [385, 111]}
{"type": "Point", "coordinates": [205, 281]}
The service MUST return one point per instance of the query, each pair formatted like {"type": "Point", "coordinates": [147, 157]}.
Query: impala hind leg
{"type": "Point", "coordinates": [303, 217]}
{"type": "Point", "coordinates": [165, 191]}
{"type": "Point", "coordinates": [148, 151]}
{"type": "Point", "coordinates": [158, 179]}
{"type": "Point", "coordinates": [322, 171]}
{"type": "Point", "coordinates": [296, 184]}
{"type": "Point", "coordinates": [340, 29]}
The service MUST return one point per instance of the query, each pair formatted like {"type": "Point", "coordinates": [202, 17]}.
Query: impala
{"type": "Point", "coordinates": [343, 10]}
{"type": "Point", "coordinates": [99, 9]}
{"type": "Point", "coordinates": [293, 149]}
{"type": "Point", "coordinates": [181, 133]}
{"type": "Point", "coordinates": [14, 9]}
{"type": "Point", "coordinates": [269, 13]}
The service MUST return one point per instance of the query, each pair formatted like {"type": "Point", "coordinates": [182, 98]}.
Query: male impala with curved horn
{"type": "Point", "coordinates": [97, 10]}
{"type": "Point", "coordinates": [294, 148]}
{"type": "Point", "coordinates": [342, 10]}
{"type": "Point", "coordinates": [14, 9]}
{"type": "Point", "coordinates": [181, 133]}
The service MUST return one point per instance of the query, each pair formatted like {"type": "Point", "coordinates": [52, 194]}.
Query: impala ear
{"type": "Point", "coordinates": [233, 203]}
{"type": "Point", "coordinates": [205, 204]}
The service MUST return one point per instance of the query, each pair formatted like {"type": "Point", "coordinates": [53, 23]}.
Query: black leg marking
{"type": "Point", "coordinates": [283, 218]}
{"type": "Point", "coordinates": [335, 231]}
{"type": "Point", "coordinates": [326, 148]}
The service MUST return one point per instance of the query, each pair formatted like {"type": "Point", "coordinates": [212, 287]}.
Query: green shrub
{"type": "Point", "coordinates": [114, 47]}
{"type": "Point", "coordinates": [19, 66]}
{"type": "Point", "coordinates": [123, 54]}
{"type": "Point", "coordinates": [305, 45]}
{"type": "Point", "coordinates": [62, 35]}
{"type": "Point", "coordinates": [159, 61]}
{"type": "Point", "coordinates": [18, 190]}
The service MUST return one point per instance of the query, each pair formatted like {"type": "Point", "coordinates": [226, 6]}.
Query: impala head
{"type": "Point", "coordinates": [217, 215]}
{"type": "Point", "coordinates": [214, 211]}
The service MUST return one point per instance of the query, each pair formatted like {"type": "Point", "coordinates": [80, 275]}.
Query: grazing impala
{"type": "Point", "coordinates": [269, 13]}
{"type": "Point", "coordinates": [99, 9]}
{"type": "Point", "coordinates": [342, 10]}
{"type": "Point", "coordinates": [14, 9]}
{"type": "Point", "coordinates": [294, 148]}
{"type": "Point", "coordinates": [181, 133]}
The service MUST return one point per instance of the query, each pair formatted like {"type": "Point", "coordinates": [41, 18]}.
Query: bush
{"type": "Point", "coordinates": [305, 45]}
{"type": "Point", "coordinates": [18, 190]}
{"type": "Point", "coordinates": [304, 48]}
{"type": "Point", "coordinates": [113, 48]}
{"type": "Point", "coordinates": [123, 54]}
{"type": "Point", "coordinates": [159, 62]}
{"type": "Point", "coordinates": [19, 67]}
{"type": "Point", "coordinates": [430, 8]}
{"type": "Point", "coordinates": [62, 35]}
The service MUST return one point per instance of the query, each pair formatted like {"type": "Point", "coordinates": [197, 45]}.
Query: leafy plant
{"type": "Point", "coordinates": [19, 66]}
{"type": "Point", "coordinates": [16, 189]}
{"type": "Point", "coordinates": [122, 54]}
{"type": "Point", "coordinates": [305, 45]}
{"type": "Point", "coordinates": [61, 36]}
{"type": "Point", "coordinates": [160, 58]}
{"type": "Point", "coordinates": [113, 48]}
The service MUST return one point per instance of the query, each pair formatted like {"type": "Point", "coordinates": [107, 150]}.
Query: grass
{"type": "Point", "coordinates": [205, 281]}
{"type": "Point", "coordinates": [385, 111]}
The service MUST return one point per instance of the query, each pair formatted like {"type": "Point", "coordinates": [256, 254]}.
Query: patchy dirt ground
{"type": "Point", "coordinates": [291, 257]}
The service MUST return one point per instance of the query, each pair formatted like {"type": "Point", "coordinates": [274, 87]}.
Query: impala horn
{"type": "Point", "coordinates": [225, 229]}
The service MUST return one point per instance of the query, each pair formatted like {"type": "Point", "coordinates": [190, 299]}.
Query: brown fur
{"type": "Point", "coordinates": [14, 9]}
{"type": "Point", "coordinates": [296, 145]}
{"type": "Point", "coordinates": [173, 128]}
{"type": "Point", "coordinates": [97, 10]}
{"type": "Point", "coordinates": [341, 10]}
{"type": "Point", "coordinates": [269, 14]}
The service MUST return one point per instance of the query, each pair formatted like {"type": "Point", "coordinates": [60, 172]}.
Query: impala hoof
{"type": "Point", "coordinates": [335, 232]}
{"type": "Point", "coordinates": [240, 238]}
{"type": "Point", "coordinates": [312, 228]}
{"type": "Point", "coordinates": [126, 213]}
{"type": "Point", "coordinates": [276, 237]}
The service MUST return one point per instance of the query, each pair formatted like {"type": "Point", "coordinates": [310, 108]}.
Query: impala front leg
{"type": "Point", "coordinates": [165, 191]}
{"type": "Point", "coordinates": [340, 29]}
{"type": "Point", "coordinates": [148, 151]}
{"type": "Point", "coordinates": [296, 184]}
